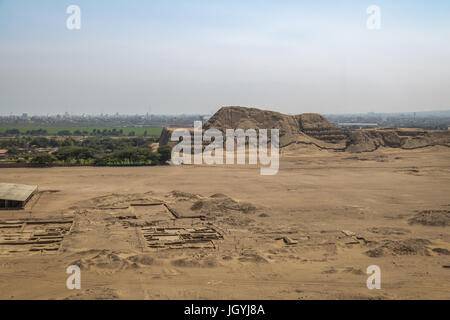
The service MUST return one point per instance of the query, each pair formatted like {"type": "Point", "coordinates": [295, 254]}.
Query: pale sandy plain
{"type": "Point", "coordinates": [333, 207]}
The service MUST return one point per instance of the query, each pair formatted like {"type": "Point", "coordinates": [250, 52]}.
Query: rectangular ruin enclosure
{"type": "Point", "coordinates": [155, 212]}
{"type": "Point", "coordinates": [15, 196]}
{"type": "Point", "coordinates": [174, 238]}
{"type": "Point", "coordinates": [32, 235]}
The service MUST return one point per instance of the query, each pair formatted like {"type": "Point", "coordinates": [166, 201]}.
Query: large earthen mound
{"type": "Point", "coordinates": [401, 247]}
{"type": "Point", "coordinates": [252, 118]}
{"type": "Point", "coordinates": [432, 218]}
{"type": "Point", "coordinates": [314, 129]}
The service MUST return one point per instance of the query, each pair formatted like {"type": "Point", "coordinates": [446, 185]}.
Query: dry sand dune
{"type": "Point", "coordinates": [216, 232]}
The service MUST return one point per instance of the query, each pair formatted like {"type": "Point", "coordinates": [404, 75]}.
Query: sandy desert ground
{"type": "Point", "coordinates": [308, 232]}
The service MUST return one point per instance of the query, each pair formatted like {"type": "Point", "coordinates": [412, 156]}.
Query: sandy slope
{"type": "Point", "coordinates": [314, 198]}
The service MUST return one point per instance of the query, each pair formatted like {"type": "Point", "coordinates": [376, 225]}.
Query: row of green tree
{"type": "Point", "coordinates": [95, 142]}
{"type": "Point", "coordinates": [132, 156]}
{"type": "Point", "coordinates": [102, 151]}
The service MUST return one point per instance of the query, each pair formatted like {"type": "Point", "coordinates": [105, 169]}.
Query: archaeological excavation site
{"type": "Point", "coordinates": [342, 201]}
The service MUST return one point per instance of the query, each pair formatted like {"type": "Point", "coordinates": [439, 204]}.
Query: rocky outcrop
{"type": "Point", "coordinates": [316, 126]}
{"type": "Point", "coordinates": [371, 139]}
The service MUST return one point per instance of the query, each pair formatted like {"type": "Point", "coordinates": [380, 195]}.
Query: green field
{"type": "Point", "coordinates": [53, 130]}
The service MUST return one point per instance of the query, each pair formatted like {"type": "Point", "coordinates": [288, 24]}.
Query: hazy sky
{"type": "Point", "coordinates": [195, 56]}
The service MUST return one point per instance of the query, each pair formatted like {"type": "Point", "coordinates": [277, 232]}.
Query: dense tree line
{"type": "Point", "coordinates": [101, 151]}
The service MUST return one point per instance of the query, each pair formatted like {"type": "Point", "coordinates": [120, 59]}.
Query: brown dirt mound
{"type": "Point", "coordinates": [439, 218]}
{"type": "Point", "coordinates": [251, 256]}
{"type": "Point", "coordinates": [353, 271]}
{"type": "Point", "coordinates": [107, 259]}
{"type": "Point", "coordinates": [144, 259]}
{"type": "Point", "coordinates": [442, 251]}
{"type": "Point", "coordinates": [314, 130]}
{"type": "Point", "coordinates": [180, 195]}
{"type": "Point", "coordinates": [220, 205]}
{"type": "Point", "coordinates": [386, 231]}
{"type": "Point", "coordinates": [401, 247]}
{"type": "Point", "coordinates": [209, 262]}
{"type": "Point", "coordinates": [95, 294]}
{"type": "Point", "coordinates": [309, 128]}
{"type": "Point", "coordinates": [371, 140]}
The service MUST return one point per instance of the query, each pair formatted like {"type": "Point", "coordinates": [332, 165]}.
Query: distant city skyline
{"type": "Point", "coordinates": [193, 57]}
{"type": "Point", "coordinates": [117, 114]}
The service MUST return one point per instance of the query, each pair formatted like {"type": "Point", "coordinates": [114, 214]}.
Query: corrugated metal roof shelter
{"type": "Point", "coordinates": [15, 196]}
